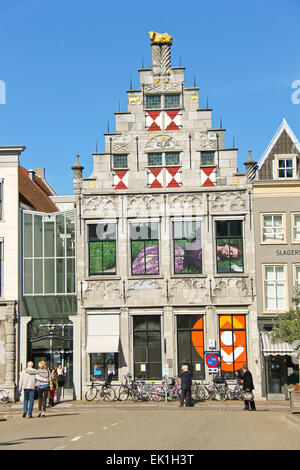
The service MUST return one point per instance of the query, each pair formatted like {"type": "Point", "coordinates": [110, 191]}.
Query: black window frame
{"type": "Point", "coordinates": [192, 318]}
{"type": "Point", "coordinates": [229, 235]}
{"type": "Point", "coordinates": [101, 241]}
{"type": "Point", "coordinates": [144, 241]}
{"type": "Point", "coordinates": [147, 332]}
{"type": "Point", "coordinates": [104, 361]}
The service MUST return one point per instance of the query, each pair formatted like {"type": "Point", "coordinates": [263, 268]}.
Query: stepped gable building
{"type": "Point", "coordinates": [276, 192]}
{"type": "Point", "coordinates": [165, 239]}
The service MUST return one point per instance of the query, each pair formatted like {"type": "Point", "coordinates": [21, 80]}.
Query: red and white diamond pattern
{"type": "Point", "coordinates": [208, 176]}
{"type": "Point", "coordinates": [154, 120]}
{"type": "Point", "coordinates": [163, 120]}
{"type": "Point", "coordinates": [173, 177]}
{"type": "Point", "coordinates": [155, 177]}
{"type": "Point", "coordinates": [172, 120]}
{"type": "Point", "coordinates": [120, 179]}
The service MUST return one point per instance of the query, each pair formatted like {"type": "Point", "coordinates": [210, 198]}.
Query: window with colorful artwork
{"type": "Point", "coordinates": [190, 344]}
{"type": "Point", "coordinates": [229, 246]}
{"type": "Point", "coordinates": [103, 364]}
{"type": "Point", "coordinates": [147, 346]}
{"type": "Point", "coordinates": [102, 248]}
{"type": "Point", "coordinates": [144, 248]}
{"type": "Point", "coordinates": [187, 247]}
{"type": "Point", "coordinates": [233, 344]}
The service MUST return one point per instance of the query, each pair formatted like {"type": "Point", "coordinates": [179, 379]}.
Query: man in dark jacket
{"type": "Point", "coordinates": [248, 387]}
{"type": "Point", "coordinates": [186, 385]}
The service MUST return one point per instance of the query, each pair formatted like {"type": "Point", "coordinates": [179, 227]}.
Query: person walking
{"type": "Point", "coordinates": [248, 387]}
{"type": "Point", "coordinates": [53, 385]}
{"type": "Point", "coordinates": [60, 382]}
{"type": "Point", "coordinates": [42, 378]}
{"type": "Point", "coordinates": [186, 385]}
{"type": "Point", "coordinates": [27, 383]}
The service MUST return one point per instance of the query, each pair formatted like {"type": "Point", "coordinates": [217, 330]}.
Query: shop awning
{"type": "Point", "coordinates": [275, 349]}
{"type": "Point", "coordinates": [103, 333]}
{"type": "Point", "coordinates": [102, 344]}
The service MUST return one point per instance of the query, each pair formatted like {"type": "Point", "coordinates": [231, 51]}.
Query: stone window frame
{"type": "Point", "coordinates": [162, 105]}
{"type": "Point", "coordinates": [283, 227]}
{"type": "Point", "coordinates": [120, 167]}
{"type": "Point", "coordinates": [129, 244]}
{"type": "Point", "coordinates": [87, 256]}
{"type": "Point", "coordinates": [224, 219]}
{"type": "Point", "coordinates": [185, 219]}
{"type": "Point", "coordinates": [163, 163]}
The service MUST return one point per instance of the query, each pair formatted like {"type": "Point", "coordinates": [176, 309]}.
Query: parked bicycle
{"type": "Point", "coordinates": [134, 388]}
{"type": "Point", "coordinates": [105, 391]}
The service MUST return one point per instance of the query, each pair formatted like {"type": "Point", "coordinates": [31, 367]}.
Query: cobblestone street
{"type": "Point", "coordinates": [98, 426]}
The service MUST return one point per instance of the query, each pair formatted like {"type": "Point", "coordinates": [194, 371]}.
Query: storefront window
{"type": "Point", "coordinates": [190, 344]}
{"type": "Point", "coordinates": [147, 346]}
{"type": "Point", "coordinates": [233, 344]}
{"type": "Point", "coordinates": [103, 364]}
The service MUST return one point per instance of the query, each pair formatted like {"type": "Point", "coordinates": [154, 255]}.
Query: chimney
{"type": "Point", "coordinates": [40, 172]}
{"type": "Point", "coordinates": [31, 174]}
{"type": "Point", "coordinates": [251, 167]}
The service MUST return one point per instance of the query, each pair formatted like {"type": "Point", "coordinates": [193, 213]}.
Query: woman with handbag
{"type": "Point", "coordinates": [53, 385]}
{"type": "Point", "coordinates": [248, 388]}
{"type": "Point", "coordinates": [60, 382]}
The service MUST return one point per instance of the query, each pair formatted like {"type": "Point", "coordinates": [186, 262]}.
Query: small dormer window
{"type": "Point", "coordinates": [285, 166]}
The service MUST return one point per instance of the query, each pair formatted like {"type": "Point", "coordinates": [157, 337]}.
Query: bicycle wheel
{"type": "Point", "coordinates": [91, 393]}
{"type": "Point", "coordinates": [194, 392]}
{"type": "Point", "coordinates": [123, 393]}
{"type": "Point", "coordinates": [4, 397]}
{"type": "Point", "coordinates": [201, 393]}
{"type": "Point", "coordinates": [108, 394]}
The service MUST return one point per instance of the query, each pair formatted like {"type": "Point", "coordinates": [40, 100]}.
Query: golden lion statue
{"type": "Point", "coordinates": [158, 38]}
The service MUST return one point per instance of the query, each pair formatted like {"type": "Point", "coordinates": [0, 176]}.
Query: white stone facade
{"type": "Point", "coordinates": [192, 189]}
{"type": "Point", "coordinates": [9, 239]}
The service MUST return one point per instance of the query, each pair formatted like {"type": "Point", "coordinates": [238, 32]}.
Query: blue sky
{"type": "Point", "coordinates": [67, 65]}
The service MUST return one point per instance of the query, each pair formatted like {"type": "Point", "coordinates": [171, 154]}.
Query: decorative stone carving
{"type": "Point", "coordinates": [190, 289]}
{"type": "Point", "coordinates": [231, 288]}
{"type": "Point", "coordinates": [208, 141]}
{"type": "Point", "coordinates": [144, 205]}
{"type": "Point", "coordinates": [98, 291]}
{"type": "Point", "coordinates": [120, 143]}
{"type": "Point", "coordinates": [186, 204]}
{"type": "Point", "coordinates": [99, 205]}
{"type": "Point", "coordinates": [228, 202]}
{"type": "Point", "coordinates": [162, 85]}
{"type": "Point", "coordinates": [161, 142]}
